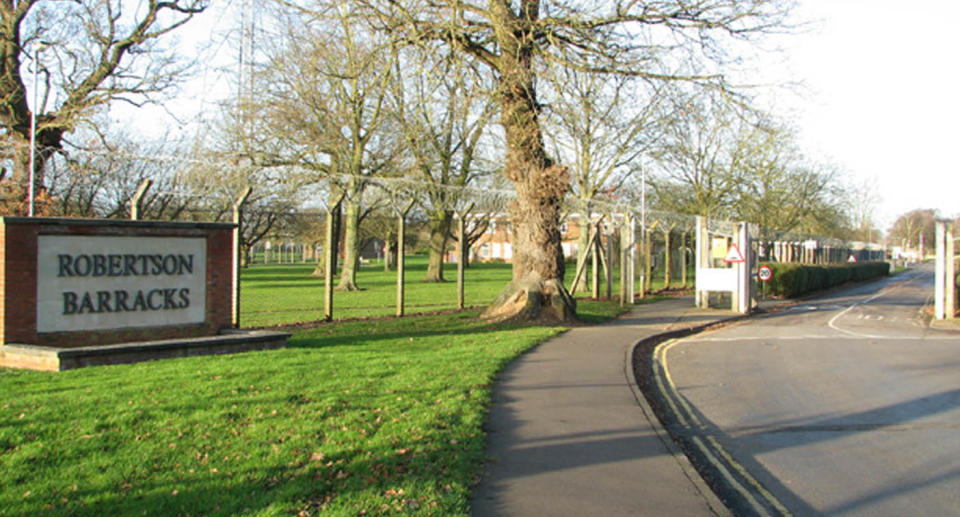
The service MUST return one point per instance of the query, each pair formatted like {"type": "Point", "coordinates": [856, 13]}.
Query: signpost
{"type": "Point", "coordinates": [765, 273]}
{"type": "Point", "coordinates": [733, 255]}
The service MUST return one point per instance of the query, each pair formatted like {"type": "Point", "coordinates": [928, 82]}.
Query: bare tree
{"type": "Point", "coordinates": [863, 199]}
{"type": "Point", "coordinates": [87, 54]}
{"type": "Point", "coordinates": [444, 114]}
{"type": "Point", "coordinates": [703, 159]}
{"type": "Point", "coordinates": [601, 126]}
{"type": "Point", "coordinates": [323, 107]}
{"type": "Point", "coordinates": [827, 218]}
{"type": "Point", "coordinates": [910, 227]}
{"type": "Point", "coordinates": [99, 179]}
{"type": "Point", "coordinates": [660, 40]}
{"type": "Point", "coordinates": [779, 189]}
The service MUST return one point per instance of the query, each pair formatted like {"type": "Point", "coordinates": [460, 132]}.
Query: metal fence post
{"type": "Point", "coordinates": [940, 276]}
{"type": "Point", "coordinates": [743, 269]}
{"type": "Point", "coordinates": [329, 258]}
{"type": "Point", "coordinates": [401, 261]}
{"type": "Point", "coordinates": [951, 266]}
{"type": "Point", "coordinates": [701, 298]}
{"type": "Point", "coordinates": [136, 202]}
{"type": "Point", "coordinates": [609, 260]}
{"type": "Point", "coordinates": [461, 255]}
{"type": "Point", "coordinates": [237, 239]}
{"type": "Point", "coordinates": [624, 265]}
{"type": "Point", "coordinates": [595, 261]}
{"type": "Point", "coordinates": [632, 245]}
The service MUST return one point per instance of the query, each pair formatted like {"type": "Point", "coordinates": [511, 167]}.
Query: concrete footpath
{"type": "Point", "coordinates": [570, 433]}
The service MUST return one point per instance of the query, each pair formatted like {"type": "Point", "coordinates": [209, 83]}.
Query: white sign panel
{"type": "Point", "coordinates": [111, 282]}
{"type": "Point", "coordinates": [716, 279]}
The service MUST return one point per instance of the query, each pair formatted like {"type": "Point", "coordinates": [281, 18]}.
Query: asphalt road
{"type": "Point", "coordinates": [844, 405]}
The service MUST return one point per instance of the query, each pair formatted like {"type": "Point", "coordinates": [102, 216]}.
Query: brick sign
{"type": "Point", "coordinates": [71, 283]}
{"type": "Point", "coordinates": [110, 282]}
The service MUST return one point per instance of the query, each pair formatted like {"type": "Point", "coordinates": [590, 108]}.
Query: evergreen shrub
{"type": "Point", "coordinates": [793, 280]}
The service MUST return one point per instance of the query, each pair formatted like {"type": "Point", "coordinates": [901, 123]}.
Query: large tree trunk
{"type": "Point", "coordinates": [440, 222]}
{"type": "Point", "coordinates": [351, 250]}
{"type": "Point", "coordinates": [536, 292]}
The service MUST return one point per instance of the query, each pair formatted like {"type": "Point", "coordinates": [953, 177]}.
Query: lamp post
{"type": "Point", "coordinates": [35, 58]}
{"type": "Point", "coordinates": [643, 229]}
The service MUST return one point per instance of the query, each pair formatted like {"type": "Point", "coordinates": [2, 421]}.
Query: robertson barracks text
{"type": "Point", "coordinates": [124, 265]}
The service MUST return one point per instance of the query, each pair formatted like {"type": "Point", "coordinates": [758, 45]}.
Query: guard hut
{"type": "Point", "coordinates": [77, 292]}
{"type": "Point", "coordinates": [732, 274]}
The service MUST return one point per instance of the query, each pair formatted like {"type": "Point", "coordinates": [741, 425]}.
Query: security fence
{"type": "Point", "coordinates": [616, 249]}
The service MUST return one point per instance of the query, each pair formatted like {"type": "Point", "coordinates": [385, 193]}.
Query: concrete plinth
{"type": "Point", "coordinates": [48, 358]}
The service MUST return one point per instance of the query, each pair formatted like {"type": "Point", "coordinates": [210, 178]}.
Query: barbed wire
{"type": "Point", "coordinates": [396, 191]}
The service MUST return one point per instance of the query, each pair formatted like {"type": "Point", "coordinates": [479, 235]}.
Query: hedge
{"type": "Point", "coordinates": [793, 280]}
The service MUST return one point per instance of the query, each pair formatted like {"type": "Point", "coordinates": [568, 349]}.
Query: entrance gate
{"type": "Point", "coordinates": [734, 274]}
{"type": "Point", "coordinates": [945, 278]}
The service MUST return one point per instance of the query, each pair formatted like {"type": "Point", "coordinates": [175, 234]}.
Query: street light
{"type": "Point", "coordinates": [35, 58]}
{"type": "Point", "coordinates": [643, 227]}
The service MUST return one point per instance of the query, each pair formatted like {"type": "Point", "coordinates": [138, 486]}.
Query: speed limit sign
{"type": "Point", "coordinates": [765, 273]}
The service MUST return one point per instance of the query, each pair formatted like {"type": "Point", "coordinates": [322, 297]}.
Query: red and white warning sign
{"type": "Point", "coordinates": [852, 258]}
{"type": "Point", "coordinates": [733, 255]}
{"type": "Point", "coordinates": [765, 273]}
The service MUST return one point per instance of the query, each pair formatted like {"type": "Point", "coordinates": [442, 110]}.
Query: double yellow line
{"type": "Point", "coordinates": [759, 498]}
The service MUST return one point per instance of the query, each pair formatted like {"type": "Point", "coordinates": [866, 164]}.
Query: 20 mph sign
{"type": "Point", "coordinates": [765, 273]}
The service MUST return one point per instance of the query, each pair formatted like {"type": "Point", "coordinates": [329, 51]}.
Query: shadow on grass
{"type": "Point", "coordinates": [377, 329]}
{"type": "Point", "coordinates": [374, 480]}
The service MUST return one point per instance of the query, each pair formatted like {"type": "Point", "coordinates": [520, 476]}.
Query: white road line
{"type": "Point", "coordinates": [833, 320]}
{"type": "Point", "coordinates": [668, 388]}
{"type": "Point", "coordinates": [851, 337]}
{"type": "Point", "coordinates": [882, 292]}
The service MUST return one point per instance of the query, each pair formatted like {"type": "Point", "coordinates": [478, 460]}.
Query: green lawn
{"type": "Point", "coordinates": [362, 417]}
{"type": "Point", "coordinates": [286, 293]}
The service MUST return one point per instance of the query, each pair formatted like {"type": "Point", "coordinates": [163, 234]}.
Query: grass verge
{"type": "Point", "coordinates": [365, 417]}
{"type": "Point", "coordinates": [286, 293]}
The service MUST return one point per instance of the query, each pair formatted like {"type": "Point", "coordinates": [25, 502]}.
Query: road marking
{"type": "Point", "coordinates": [852, 337]}
{"type": "Point", "coordinates": [663, 349]}
{"type": "Point", "coordinates": [660, 383]}
{"type": "Point", "coordinates": [669, 390]}
{"type": "Point", "coordinates": [750, 479]}
{"type": "Point", "coordinates": [713, 451]}
{"type": "Point", "coordinates": [833, 320]}
{"type": "Point", "coordinates": [882, 292]}
{"type": "Point", "coordinates": [728, 477]}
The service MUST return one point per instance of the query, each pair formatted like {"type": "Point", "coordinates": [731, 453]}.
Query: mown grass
{"type": "Point", "coordinates": [286, 293]}
{"type": "Point", "coordinates": [361, 417]}
{"type": "Point", "coordinates": [277, 294]}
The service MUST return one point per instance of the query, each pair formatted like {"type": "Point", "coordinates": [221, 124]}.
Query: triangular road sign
{"type": "Point", "coordinates": [852, 258]}
{"type": "Point", "coordinates": [734, 255]}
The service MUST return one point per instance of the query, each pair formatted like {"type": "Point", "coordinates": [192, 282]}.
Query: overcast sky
{"type": "Point", "coordinates": [884, 97]}
{"type": "Point", "coordinates": [881, 101]}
